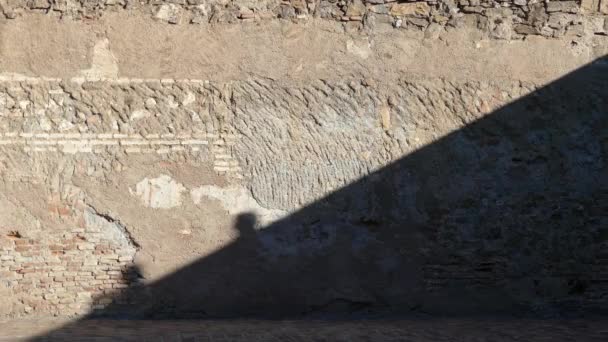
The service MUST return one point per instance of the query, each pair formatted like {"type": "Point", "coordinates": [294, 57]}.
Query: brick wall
{"type": "Point", "coordinates": [65, 272]}
{"type": "Point", "coordinates": [384, 152]}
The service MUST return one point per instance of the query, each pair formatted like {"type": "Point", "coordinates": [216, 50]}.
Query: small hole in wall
{"type": "Point", "coordinates": [14, 234]}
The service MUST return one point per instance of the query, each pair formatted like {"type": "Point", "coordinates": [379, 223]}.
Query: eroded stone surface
{"type": "Point", "coordinates": [313, 165]}
{"type": "Point", "coordinates": [339, 164]}
{"type": "Point", "coordinates": [498, 20]}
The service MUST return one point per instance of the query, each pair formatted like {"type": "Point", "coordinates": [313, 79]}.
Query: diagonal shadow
{"type": "Point", "coordinates": [504, 216]}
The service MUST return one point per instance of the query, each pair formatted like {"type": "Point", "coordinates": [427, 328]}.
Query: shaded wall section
{"type": "Point", "coordinates": [504, 216]}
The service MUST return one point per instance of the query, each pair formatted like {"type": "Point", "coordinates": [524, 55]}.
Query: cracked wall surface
{"type": "Point", "coordinates": [141, 139]}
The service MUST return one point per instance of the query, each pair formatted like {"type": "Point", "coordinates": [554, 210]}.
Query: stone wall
{"type": "Point", "coordinates": [302, 158]}
{"type": "Point", "coordinates": [499, 19]}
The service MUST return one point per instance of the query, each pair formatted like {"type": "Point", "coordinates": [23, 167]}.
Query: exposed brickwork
{"type": "Point", "coordinates": [303, 157]}
{"type": "Point", "coordinates": [65, 272]}
{"type": "Point", "coordinates": [251, 130]}
{"type": "Point", "coordinates": [48, 116]}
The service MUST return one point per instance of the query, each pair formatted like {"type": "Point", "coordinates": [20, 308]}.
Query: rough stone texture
{"type": "Point", "coordinates": [338, 163]}
{"type": "Point", "coordinates": [289, 147]}
{"type": "Point", "coordinates": [510, 19]}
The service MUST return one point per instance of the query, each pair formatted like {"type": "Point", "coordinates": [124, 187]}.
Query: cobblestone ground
{"type": "Point", "coordinates": [253, 331]}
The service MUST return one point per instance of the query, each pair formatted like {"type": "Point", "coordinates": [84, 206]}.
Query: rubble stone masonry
{"type": "Point", "coordinates": [291, 157]}
{"type": "Point", "coordinates": [500, 19]}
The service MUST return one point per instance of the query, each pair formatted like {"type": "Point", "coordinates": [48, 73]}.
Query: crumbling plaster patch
{"type": "Point", "coordinates": [237, 200]}
{"type": "Point", "coordinates": [162, 192]}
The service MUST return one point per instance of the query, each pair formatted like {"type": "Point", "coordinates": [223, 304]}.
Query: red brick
{"type": "Point", "coordinates": [26, 270]}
